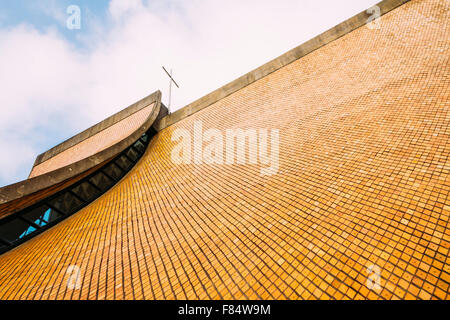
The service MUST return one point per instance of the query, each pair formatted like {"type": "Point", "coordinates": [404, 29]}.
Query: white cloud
{"type": "Point", "coordinates": [52, 8]}
{"type": "Point", "coordinates": [118, 8]}
{"type": "Point", "coordinates": [10, 164]}
{"type": "Point", "coordinates": [207, 43]}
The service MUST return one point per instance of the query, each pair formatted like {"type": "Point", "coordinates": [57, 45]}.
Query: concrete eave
{"type": "Point", "coordinates": [22, 189]}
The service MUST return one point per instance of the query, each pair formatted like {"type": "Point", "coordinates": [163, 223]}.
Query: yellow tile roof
{"type": "Point", "coordinates": [362, 187]}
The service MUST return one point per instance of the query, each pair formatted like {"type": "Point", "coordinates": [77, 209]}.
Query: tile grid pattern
{"type": "Point", "coordinates": [363, 180]}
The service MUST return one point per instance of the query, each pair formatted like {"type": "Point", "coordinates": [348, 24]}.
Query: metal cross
{"type": "Point", "coordinates": [170, 86]}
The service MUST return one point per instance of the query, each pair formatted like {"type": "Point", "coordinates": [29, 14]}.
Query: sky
{"type": "Point", "coordinates": [56, 81]}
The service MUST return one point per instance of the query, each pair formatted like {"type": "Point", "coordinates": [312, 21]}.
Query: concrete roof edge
{"type": "Point", "coordinates": [23, 188]}
{"type": "Point", "coordinates": [292, 55]}
{"type": "Point", "coordinates": [96, 128]}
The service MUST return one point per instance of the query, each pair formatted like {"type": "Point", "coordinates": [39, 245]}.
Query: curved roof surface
{"type": "Point", "coordinates": [362, 187]}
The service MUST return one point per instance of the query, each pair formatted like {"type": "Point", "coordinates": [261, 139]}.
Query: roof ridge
{"type": "Point", "coordinates": [283, 60]}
